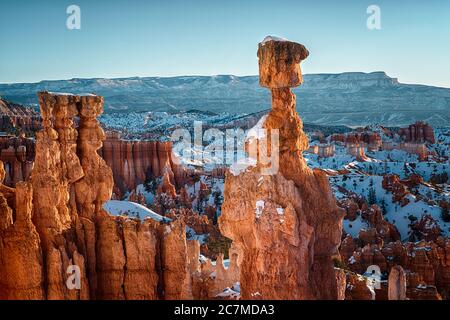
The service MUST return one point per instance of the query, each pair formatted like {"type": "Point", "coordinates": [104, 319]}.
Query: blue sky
{"type": "Point", "coordinates": [122, 38]}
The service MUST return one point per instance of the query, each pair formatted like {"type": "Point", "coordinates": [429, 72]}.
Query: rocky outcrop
{"type": "Point", "coordinates": [134, 162]}
{"type": "Point", "coordinates": [426, 229]}
{"type": "Point", "coordinates": [284, 224]}
{"type": "Point", "coordinates": [397, 284]}
{"type": "Point", "coordinates": [420, 149]}
{"type": "Point", "coordinates": [418, 132]}
{"type": "Point", "coordinates": [426, 264]}
{"type": "Point", "coordinates": [365, 138]}
{"type": "Point", "coordinates": [399, 190]}
{"type": "Point", "coordinates": [53, 228]}
{"type": "Point", "coordinates": [356, 150]}
{"type": "Point", "coordinates": [357, 288]}
{"type": "Point", "coordinates": [16, 118]}
{"type": "Point", "coordinates": [210, 280]}
{"type": "Point", "coordinates": [17, 154]}
{"type": "Point", "coordinates": [21, 263]}
{"type": "Point", "coordinates": [325, 150]}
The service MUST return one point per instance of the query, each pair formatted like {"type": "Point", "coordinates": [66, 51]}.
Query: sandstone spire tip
{"type": "Point", "coordinates": [279, 62]}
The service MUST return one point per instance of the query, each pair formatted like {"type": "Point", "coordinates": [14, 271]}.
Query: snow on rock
{"type": "Point", "coordinates": [72, 94]}
{"type": "Point", "coordinates": [259, 208]}
{"type": "Point", "coordinates": [133, 210]}
{"type": "Point", "coordinates": [230, 293]}
{"type": "Point", "coordinates": [353, 227]}
{"type": "Point", "coordinates": [191, 235]}
{"type": "Point", "coordinates": [242, 165]}
{"type": "Point", "coordinates": [352, 260]}
{"type": "Point", "coordinates": [257, 132]}
{"type": "Point", "coordinates": [272, 38]}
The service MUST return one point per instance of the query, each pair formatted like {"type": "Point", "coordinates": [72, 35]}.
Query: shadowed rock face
{"type": "Point", "coordinates": [17, 154]}
{"type": "Point", "coordinates": [14, 117]}
{"type": "Point", "coordinates": [133, 162]}
{"type": "Point", "coordinates": [418, 132]}
{"type": "Point", "coordinates": [285, 226]}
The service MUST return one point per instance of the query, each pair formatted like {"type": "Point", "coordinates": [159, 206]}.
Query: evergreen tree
{"type": "Point", "coordinates": [445, 215]}
{"type": "Point", "coordinates": [372, 198]}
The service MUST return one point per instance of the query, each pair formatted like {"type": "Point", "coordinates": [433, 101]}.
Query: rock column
{"type": "Point", "coordinates": [397, 284]}
{"type": "Point", "coordinates": [286, 225]}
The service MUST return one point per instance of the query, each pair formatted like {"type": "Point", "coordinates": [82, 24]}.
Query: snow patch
{"type": "Point", "coordinates": [272, 38]}
{"type": "Point", "coordinates": [133, 210]}
{"type": "Point", "coordinates": [259, 208]}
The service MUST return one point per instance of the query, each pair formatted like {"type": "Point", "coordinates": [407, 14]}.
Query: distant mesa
{"type": "Point", "coordinates": [350, 98]}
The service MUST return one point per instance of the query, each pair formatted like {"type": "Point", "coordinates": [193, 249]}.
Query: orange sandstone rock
{"type": "Point", "coordinates": [286, 226]}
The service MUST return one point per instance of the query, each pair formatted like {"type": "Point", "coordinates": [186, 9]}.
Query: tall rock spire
{"type": "Point", "coordinates": [286, 225]}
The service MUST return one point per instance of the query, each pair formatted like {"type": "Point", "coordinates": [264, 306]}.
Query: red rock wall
{"type": "Point", "coordinates": [418, 132]}
{"type": "Point", "coordinates": [56, 220]}
{"type": "Point", "coordinates": [132, 162]}
{"type": "Point", "coordinates": [17, 155]}
{"type": "Point", "coordinates": [17, 117]}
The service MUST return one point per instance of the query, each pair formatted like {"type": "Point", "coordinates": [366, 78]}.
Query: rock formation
{"type": "Point", "coordinates": [133, 162]}
{"type": "Point", "coordinates": [357, 288]}
{"type": "Point", "coordinates": [356, 150]}
{"type": "Point", "coordinates": [365, 138]}
{"type": "Point", "coordinates": [397, 284]}
{"type": "Point", "coordinates": [285, 226]}
{"type": "Point", "coordinates": [426, 264]}
{"type": "Point", "coordinates": [418, 132]}
{"type": "Point", "coordinates": [325, 150]}
{"type": "Point", "coordinates": [17, 154]}
{"type": "Point", "coordinates": [53, 226]}
{"type": "Point", "coordinates": [17, 118]}
{"type": "Point", "coordinates": [21, 270]}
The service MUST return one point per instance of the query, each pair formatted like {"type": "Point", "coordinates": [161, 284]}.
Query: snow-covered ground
{"type": "Point", "coordinates": [363, 177]}
{"type": "Point", "coordinates": [400, 216]}
{"type": "Point", "coordinates": [132, 210]}
{"type": "Point", "coordinates": [160, 125]}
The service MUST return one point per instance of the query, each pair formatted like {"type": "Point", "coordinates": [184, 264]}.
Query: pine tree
{"type": "Point", "coordinates": [445, 215]}
{"type": "Point", "coordinates": [372, 198]}
{"type": "Point", "coordinates": [383, 207]}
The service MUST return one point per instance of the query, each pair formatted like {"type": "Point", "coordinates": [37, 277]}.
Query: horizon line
{"type": "Point", "coordinates": [213, 75]}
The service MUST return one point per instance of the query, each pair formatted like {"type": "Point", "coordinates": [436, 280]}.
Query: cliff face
{"type": "Point", "coordinates": [17, 154]}
{"type": "Point", "coordinates": [53, 226]}
{"type": "Point", "coordinates": [418, 132]}
{"type": "Point", "coordinates": [285, 225]}
{"type": "Point", "coordinates": [132, 162]}
{"type": "Point", "coordinates": [14, 117]}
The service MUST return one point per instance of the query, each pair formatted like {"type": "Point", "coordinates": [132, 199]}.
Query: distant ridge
{"type": "Point", "coordinates": [350, 98]}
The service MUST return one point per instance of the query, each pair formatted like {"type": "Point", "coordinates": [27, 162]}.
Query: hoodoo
{"type": "Point", "coordinates": [285, 225]}
{"type": "Point", "coordinates": [55, 223]}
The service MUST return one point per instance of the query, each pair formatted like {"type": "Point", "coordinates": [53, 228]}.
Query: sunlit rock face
{"type": "Point", "coordinates": [55, 223]}
{"type": "Point", "coordinates": [285, 226]}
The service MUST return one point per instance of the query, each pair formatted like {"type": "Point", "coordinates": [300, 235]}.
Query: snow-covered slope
{"type": "Point", "coordinates": [132, 209]}
{"type": "Point", "coordinates": [352, 98]}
